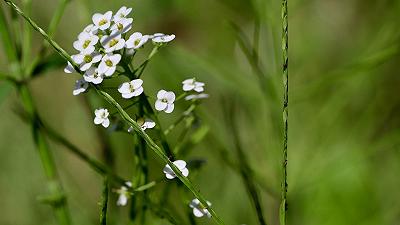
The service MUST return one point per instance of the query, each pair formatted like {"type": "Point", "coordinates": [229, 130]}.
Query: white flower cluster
{"type": "Point", "coordinates": [101, 46]}
{"type": "Point", "coordinates": [191, 85]}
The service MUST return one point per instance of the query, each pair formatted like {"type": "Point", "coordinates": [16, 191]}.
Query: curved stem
{"type": "Point", "coordinates": [285, 73]}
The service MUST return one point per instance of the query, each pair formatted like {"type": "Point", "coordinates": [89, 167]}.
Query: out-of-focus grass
{"type": "Point", "coordinates": [344, 129]}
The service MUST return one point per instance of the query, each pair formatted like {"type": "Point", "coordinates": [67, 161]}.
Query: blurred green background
{"type": "Point", "coordinates": [343, 127]}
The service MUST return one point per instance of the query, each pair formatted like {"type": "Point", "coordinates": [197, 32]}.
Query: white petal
{"type": "Point", "coordinates": [150, 123]}
{"type": "Point", "coordinates": [128, 95]}
{"type": "Point", "coordinates": [69, 68]}
{"type": "Point", "coordinates": [199, 89]}
{"type": "Point", "coordinates": [96, 18]}
{"type": "Point", "coordinates": [106, 123]}
{"type": "Point", "coordinates": [194, 203]}
{"type": "Point", "coordinates": [122, 200]}
{"type": "Point", "coordinates": [136, 83]}
{"type": "Point", "coordinates": [180, 164]}
{"type": "Point", "coordinates": [197, 212]}
{"type": "Point", "coordinates": [161, 94]}
{"type": "Point", "coordinates": [138, 91]}
{"type": "Point", "coordinates": [86, 66]}
{"type": "Point", "coordinates": [185, 172]}
{"type": "Point", "coordinates": [102, 67]}
{"type": "Point", "coordinates": [170, 96]}
{"type": "Point", "coordinates": [188, 81]}
{"type": "Point", "coordinates": [115, 59]}
{"type": "Point", "coordinates": [110, 71]}
{"type": "Point", "coordinates": [98, 120]}
{"type": "Point", "coordinates": [188, 87]}
{"type": "Point", "coordinates": [170, 108]}
{"type": "Point", "coordinates": [159, 105]}
{"type": "Point", "coordinates": [124, 88]}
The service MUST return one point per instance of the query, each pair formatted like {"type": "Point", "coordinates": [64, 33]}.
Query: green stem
{"type": "Point", "coordinates": [154, 147]}
{"type": "Point", "coordinates": [58, 198]}
{"type": "Point", "coordinates": [60, 50]}
{"type": "Point", "coordinates": [27, 36]}
{"type": "Point", "coordinates": [104, 202]}
{"type": "Point", "coordinates": [6, 37]}
{"type": "Point", "coordinates": [285, 73]}
{"type": "Point", "coordinates": [185, 114]}
{"type": "Point", "coordinates": [246, 171]}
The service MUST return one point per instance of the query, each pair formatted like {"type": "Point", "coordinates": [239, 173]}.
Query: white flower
{"type": "Point", "coordinates": [192, 84]}
{"type": "Point", "coordinates": [170, 174]}
{"type": "Point", "coordinates": [122, 26]}
{"type": "Point", "coordinates": [92, 75]}
{"type": "Point", "coordinates": [80, 86]}
{"type": "Point", "coordinates": [124, 194]}
{"type": "Point", "coordinates": [85, 43]}
{"type": "Point", "coordinates": [113, 42]}
{"type": "Point", "coordinates": [196, 96]}
{"type": "Point", "coordinates": [165, 101]}
{"type": "Point", "coordinates": [144, 124]}
{"type": "Point", "coordinates": [69, 68]}
{"type": "Point", "coordinates": [91, 29]}
{"type": "Point", "coordinates": [102, 117]}
{"type": "Point", "coordinates": [122, 13]}
{"type": "Point", "coordinates": [102, 21]}
{"type": "Point", "coordinates": [198, 209]}
{"type": "Point", "coordinates": [131, 89]}
{"type": "Point", "coordinates": [109, 64]}
{"type": "Point", "coordinates": [162, 38]}
{"type": "Point", "coordinates": [86, 60]}
{"type": "Point", "coordinates": [136, 40]}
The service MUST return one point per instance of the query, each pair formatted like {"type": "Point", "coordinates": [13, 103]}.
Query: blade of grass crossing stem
{"type": "Point", "coordinates": [27, 36]}
{"type": "Point", "coordinates": [285, 76]}
{"type": "Point", "coordinates": [152, 145]}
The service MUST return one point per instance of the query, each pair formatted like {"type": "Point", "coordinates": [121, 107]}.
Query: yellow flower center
{"type": "Point", "coordinates": [87, 58]}
{"type": "Point", "coordinates": [109, 63]}
{"type": "Point", "coordinates": [113, 42]}
{"type": "Point", "coordinates": [86, 43]}
{"type": "Point", "coordinates": [102, 22]}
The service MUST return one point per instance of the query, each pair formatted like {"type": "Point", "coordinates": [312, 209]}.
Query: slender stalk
{"type": "Point", "coordinates": [58, 198]}
{"type": "Point", "coordinates": [154, 147]}
{"type": "Point", "coordinates": [6, 38]}
{"type": "Point", "coordinates": [151, 144]}
{"type": "Point", "coordinates": [104, 202]}
{"type": "Point", "coordinates": [185, 114]}
{"type": "Point", "coordinates": [27, 35]}
{"type": "Point", "coordinates": [245, 170]}
{"type": "Point", "coordinates": [285, 73]}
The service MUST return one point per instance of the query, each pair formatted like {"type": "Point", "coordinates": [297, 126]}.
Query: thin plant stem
{"type": "Point", "coordinates": [57, 199]}
{"type": "Point", "coordinates": [104, 202]}
{"type": "Point", "coordinates": [27, 36]}
{"type": "Point", "coordinates": [285, 73]}
{"type": "Point", "coordinates": [6, 38]}
{"type": "Point", "coordinates": [151, 144]}
{"type": "Point", "coordinates": [245, 170]}
{"type": "Point", "coordinates": [185, 114]}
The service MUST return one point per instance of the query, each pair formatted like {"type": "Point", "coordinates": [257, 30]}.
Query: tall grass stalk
{"type": "Point", "coordinates": [124, 115]}
{"type": "Point", "coordinates": [285, 73]}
